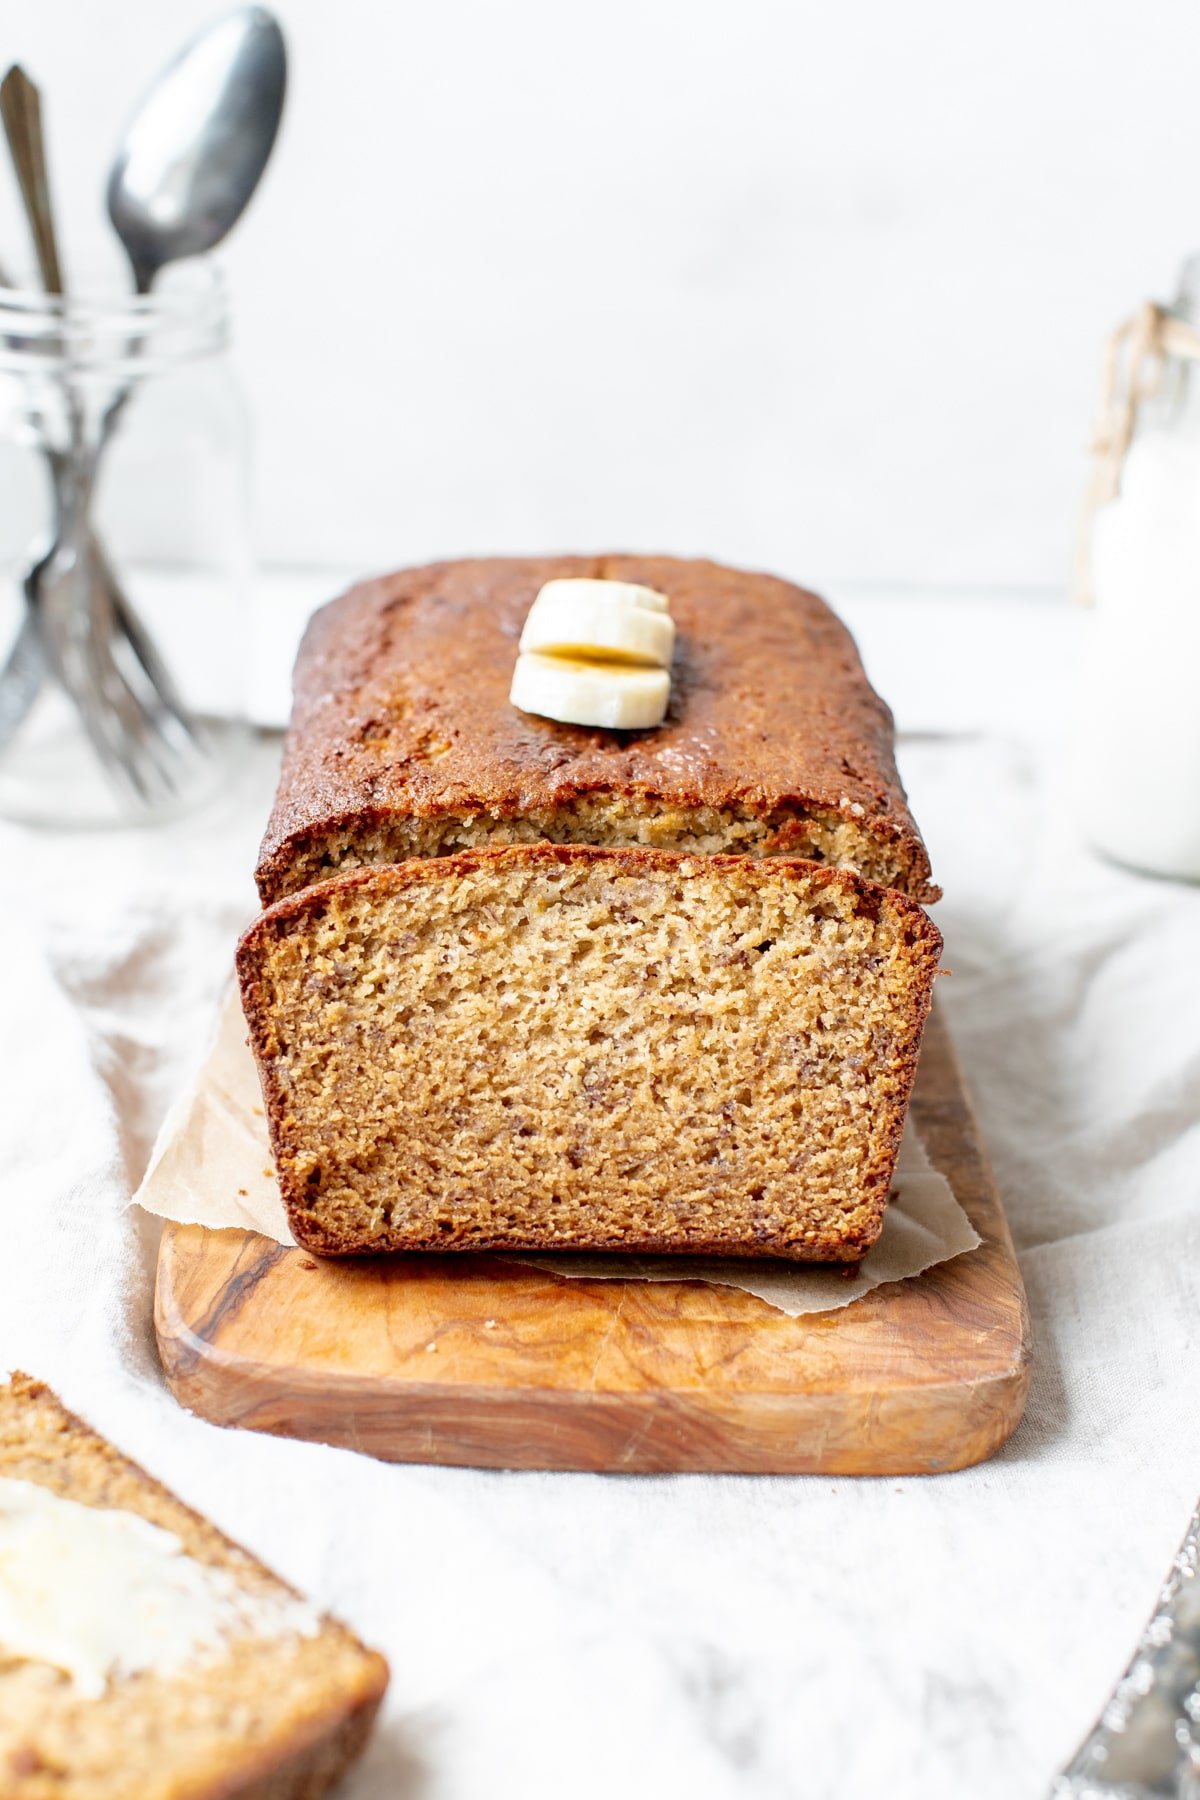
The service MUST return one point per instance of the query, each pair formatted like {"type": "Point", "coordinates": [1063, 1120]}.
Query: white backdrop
{"type": "Point", "coordinates": [818, 287]}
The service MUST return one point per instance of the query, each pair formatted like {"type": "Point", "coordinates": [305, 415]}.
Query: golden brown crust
{"type": "Point", "coordinates": [319, 1754]}
{"type": "Point", "coordinates": [847, 1242]}
{"type": "Point", "coordinates": [326, 1690]}
{"type": "Point", "coordinates": [402, 713]}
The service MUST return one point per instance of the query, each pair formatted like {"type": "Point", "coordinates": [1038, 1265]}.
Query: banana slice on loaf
{"type": "Point", "coordinates": [596, 652]}
{"type": "Point", "coordinates": [580, 619]}
{"type": "Point", "coordinates": [587, 693]}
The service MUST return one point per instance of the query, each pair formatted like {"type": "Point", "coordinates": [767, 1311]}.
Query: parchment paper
{"type": "Point", "coordinates": [212, 1166]}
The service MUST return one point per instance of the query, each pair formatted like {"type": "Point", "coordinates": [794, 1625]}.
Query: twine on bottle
{"type": "Point", "coordinates": [1131, 370]}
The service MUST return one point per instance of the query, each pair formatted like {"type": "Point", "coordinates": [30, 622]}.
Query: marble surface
{"type": "Point", "coordinates": [719, 1637]}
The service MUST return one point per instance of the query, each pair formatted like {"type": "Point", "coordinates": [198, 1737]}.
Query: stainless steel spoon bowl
{"type": "Point", "coordinates": [197, 145]}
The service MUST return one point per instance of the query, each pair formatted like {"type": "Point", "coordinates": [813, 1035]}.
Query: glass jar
{"type": "Point", "coordinates": [1138, 742]}
{"type": "Point", "coordinates": [124, 551]}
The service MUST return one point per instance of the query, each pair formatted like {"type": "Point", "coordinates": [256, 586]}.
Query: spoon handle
{"type": "Point", "coordinates": [21, 111]}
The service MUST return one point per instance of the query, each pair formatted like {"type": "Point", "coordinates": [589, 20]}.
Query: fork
{"type": "Point", "coordinates": [143, 736]}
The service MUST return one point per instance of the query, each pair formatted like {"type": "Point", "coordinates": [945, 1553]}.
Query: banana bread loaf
{"type": "Point", "coordinates": [532, 985]}
{"type": "Point", "coordinates": [104, 1575]}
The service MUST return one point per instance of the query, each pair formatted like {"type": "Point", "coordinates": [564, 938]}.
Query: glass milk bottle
{"type": "Point", "coordinates": [1139, 737]}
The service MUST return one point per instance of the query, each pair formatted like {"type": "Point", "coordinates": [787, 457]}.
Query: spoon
{"type": "Point", "coordinates": [197, 145]}
{"type": "Point", "coordinates": [185, 171]}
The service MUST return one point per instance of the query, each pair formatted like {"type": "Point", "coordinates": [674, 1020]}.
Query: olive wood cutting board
{"type": "Point", "coordinates": [473, 1360]}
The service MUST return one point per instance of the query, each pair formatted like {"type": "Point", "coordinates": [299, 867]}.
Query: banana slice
{"type": "Point", "coordinates": [619, 697]}
{"type": "Point", "coordinates": [582, 619]}
{"type": "Point", "coordinates": [596, 652]}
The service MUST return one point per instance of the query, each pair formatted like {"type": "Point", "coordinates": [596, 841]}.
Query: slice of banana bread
{"type": "Point", "coordinates": [568, 1047]}
{"type": "Point", "coordinates": [403, 742]}
{"type": "Point", "coordinates": [277, 1709]}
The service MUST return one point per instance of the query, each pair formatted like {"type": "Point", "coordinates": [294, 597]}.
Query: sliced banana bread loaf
{"type": "Point", "coordinates": [142, 1654]}
{"type": "Point", "coordinates": [655, 990]}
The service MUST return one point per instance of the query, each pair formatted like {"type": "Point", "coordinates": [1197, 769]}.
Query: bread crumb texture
{"type": "Point", "coordinates": [276, 1718]}
{"type": "Point", "coordinates": [581, 1048]}
{"type": "Point", "coordinates": [616, 820]}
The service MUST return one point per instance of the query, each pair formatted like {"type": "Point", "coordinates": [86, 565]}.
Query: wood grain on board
{"type": "Point", "coordinates": [472, 1360]}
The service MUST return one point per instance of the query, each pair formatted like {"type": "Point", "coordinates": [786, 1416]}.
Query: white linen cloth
{"type": "Point", "coordinates": [719, 1637]}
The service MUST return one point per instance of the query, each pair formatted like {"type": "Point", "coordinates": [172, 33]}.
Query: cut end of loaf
{"type": "Point", "coordinates": [364, 839]}
{"type": "Point", "coordinates": [574, 1048]}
